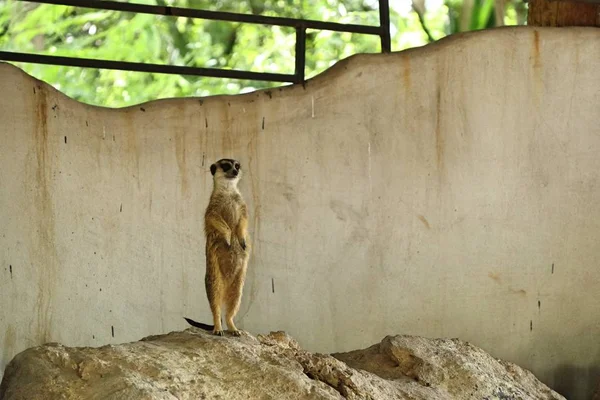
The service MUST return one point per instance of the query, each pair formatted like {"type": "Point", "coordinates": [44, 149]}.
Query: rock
{"type": "Point", "coordinates": [197, 365]}
{"type": "Point", "coordinates": [456, 369]}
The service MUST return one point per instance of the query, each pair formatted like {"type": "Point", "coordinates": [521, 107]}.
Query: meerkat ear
{"type": "Point", "coordinates": [213, 169]}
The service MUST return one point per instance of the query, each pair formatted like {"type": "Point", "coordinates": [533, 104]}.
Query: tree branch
{"type": "Point", "coordinates": [430, 38]}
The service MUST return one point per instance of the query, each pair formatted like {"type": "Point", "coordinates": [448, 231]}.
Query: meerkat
{"type": "Point", "coordinates": [227, 248]}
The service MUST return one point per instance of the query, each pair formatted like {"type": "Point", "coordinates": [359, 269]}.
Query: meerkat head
{"type": "Point", "coordinates": [226, 172]}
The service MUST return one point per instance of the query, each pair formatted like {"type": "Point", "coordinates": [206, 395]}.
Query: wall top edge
{"type": "Point", "coordinates": [10, 72]}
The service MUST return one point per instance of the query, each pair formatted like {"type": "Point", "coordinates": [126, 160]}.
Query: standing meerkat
{"type": "Point", "coordinates": [227, 249]}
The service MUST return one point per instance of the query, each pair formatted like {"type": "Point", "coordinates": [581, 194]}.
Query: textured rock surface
{"type": "Point", "coordinates": [195, 365]}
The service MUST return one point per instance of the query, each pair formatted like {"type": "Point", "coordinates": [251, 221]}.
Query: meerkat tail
{"type": "Point", "coordinates": [200, 325]}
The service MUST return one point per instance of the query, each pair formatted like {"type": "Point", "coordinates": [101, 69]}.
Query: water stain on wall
{"type": "Point", "coordinates": [344, 211]}
{"type": "Point", "coordinates": [180, 154]}
{"type": "Point", "coordinates": [536, 50]}
{"type": "Point", "coordinates": [520, 292]}
{"type": "Point", "coordinates": [131, 146]}
{"type": "Point", "coordinates": [439, 138]}
{"type": "Point", "coordinates": [44, 255]}
{"type": "Point", "coordinates": [252, 174]}
{"type": "Point", "coordinates": [9, 343]}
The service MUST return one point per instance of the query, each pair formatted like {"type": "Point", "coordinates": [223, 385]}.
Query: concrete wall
{"type": "Point", "coordinates": [451, 190]}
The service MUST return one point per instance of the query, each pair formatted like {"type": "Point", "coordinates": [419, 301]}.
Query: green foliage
{"type": "Point", "coordinates": [99, 34]}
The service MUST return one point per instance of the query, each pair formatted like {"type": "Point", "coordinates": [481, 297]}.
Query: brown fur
{"type": "Point", "coordinates": [227, 249]}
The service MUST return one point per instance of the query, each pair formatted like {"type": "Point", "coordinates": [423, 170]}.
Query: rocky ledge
{"type": "Point", "coordinates": [193, 364]}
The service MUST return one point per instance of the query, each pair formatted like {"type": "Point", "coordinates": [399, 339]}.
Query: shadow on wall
{"type": "Point", "coordinates": [578, 382]}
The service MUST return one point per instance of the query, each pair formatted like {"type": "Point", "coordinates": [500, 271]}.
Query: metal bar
{"type": "Point", "coordinates": [384, 25]}
{"type": "Point", "coordinates": [214, 15]}
{"type": "Point", "coordinates": [300, 54]}
{"type": "Point", "coordinates": [141, 67]}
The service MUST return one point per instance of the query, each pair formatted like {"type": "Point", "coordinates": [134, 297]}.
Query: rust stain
{"type": "Point", "coordinates": [495, 277]}
{"type": "Point", "coordinates": [537, 67]}
{"type": "Point", "coordinates": [45, 251]}
{"type": "Point", "coordinates": [424, 221]}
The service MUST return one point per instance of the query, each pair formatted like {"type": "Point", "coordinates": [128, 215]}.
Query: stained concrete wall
{"type": "Point", "coordinates": [451, 190]}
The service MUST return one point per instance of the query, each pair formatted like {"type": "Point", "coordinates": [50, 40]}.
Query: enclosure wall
{"type": "Point", "coordinates": [451, 190]}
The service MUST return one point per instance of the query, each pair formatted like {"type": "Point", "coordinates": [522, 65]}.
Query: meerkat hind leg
{"type": "Point", "coordinates": [234, 298]}
{"type": "Point", "coordinates": [215, 307]}
{"type": "Point", "coordinates": [214, 290]}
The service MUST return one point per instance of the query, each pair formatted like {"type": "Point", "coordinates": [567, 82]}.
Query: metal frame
{"type": "Point", "coordinates": [301, 25]}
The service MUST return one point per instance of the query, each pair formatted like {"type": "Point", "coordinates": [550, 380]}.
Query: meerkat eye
{"type": "Point", "coordinates": [237, 166]}
{"type": "Point", "coordinates": [225, 167]}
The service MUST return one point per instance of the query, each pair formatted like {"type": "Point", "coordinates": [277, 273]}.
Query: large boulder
{"type": "Point", "coordinates": [196, 365]}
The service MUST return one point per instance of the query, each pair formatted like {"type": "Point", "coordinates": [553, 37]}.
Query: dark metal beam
{"type": "Point", "coordinates": [384, 22]}
{"type": "Point", "coordinates": [300, 54]}
{"type": "Point", "coordinates": [214, 15]}
{"type": "Point", "coordinates": [142, 67]}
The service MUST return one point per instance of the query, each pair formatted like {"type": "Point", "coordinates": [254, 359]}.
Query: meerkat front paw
{"type": "Point", "coordinates": [236, 333]}
{"type": "Point", "coordinates": [243, 243]}
{"type": "Point", "coordinates": [218, 333]}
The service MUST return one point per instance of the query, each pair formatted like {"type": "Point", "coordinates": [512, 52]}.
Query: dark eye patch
{"type": "Point", "coordinates": [225, 167]}
{"type": "Point", "coordinates": [237, 166]}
